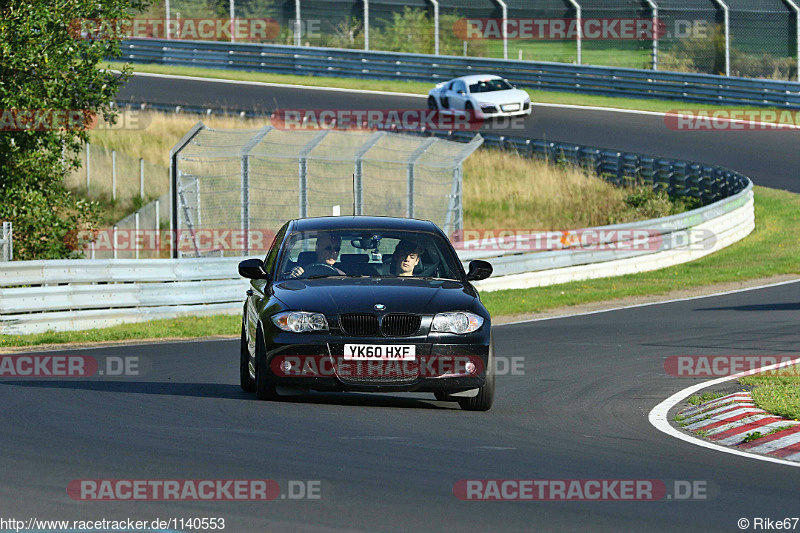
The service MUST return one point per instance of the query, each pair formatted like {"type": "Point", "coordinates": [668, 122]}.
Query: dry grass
{"type": "Point", "coordinates": [501, 189]}
{"type": "Point", "coordinates": [504, 190]}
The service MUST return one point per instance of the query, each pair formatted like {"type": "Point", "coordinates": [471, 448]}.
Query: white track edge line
{"type": "Point", "coordinates": [646, 304]}
{"type": "Point", "coordinates": [268, 84]}
{"type": "Point", "coordinates": [658, 416]}
{"type": "Point", "coordinates": [774, 126]}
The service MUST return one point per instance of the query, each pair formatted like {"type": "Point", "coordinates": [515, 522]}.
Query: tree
{"type": "Point", "coordinates": [48, 76]}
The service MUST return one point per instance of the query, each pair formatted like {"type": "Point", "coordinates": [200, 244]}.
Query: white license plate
{"type": "Point", "coordinates": [379, 352]}
{"type": "Point", "coordinates": [511, 107]}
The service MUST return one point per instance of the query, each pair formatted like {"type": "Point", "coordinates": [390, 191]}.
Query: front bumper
{"type": "Point", "coordinates": [319, 364]}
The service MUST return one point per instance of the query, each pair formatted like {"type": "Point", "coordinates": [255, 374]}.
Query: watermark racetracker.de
{"type": "Point", "coordinates": [48, 119]}
{"type": "Point", "coordinates": [608, 490]}
{"type": "Point", "coordinates": [71, 366]}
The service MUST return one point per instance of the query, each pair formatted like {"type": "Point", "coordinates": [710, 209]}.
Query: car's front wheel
{"type": "Point", "coordinates": [265, 385]}
{"type": "Point", "coordinates": [247, 383]}
{"type": "Point", "coordinates": [485, 397]}
{"type": "Point", "coordinates": [432, 103]}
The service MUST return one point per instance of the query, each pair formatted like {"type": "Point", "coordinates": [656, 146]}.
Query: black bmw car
{"type": "Point", "coordinates": [370, 304]}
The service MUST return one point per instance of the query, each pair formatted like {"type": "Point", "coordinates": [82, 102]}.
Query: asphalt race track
{"type": "Point", "coordinates": [770, 158]}
{"type": "Point", "coordinates": [389, 463]}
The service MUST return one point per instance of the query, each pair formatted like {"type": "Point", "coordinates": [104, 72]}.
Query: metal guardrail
{"type": "Point", "coordinates": [7, 242]}
{"type": "Point", "coordinates": [105, 292]}
{"type": "Point", "coordinates": [697, 88]}
{"type": "Point", "coordinates": [100, 293]}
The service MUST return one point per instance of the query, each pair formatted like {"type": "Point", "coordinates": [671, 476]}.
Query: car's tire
{"type": "Point", "coordinates": [247, 383]}
{"type": "Point", "coordinates": [469, 107]}
{"type": "Point", "coordinates": [432, 103]}
{"type": "Point", "coordinates": [442, 396]}
{"type": "Point", "coordinates": [265, 384]}
{"type": "Point", "coordinates": [485, 397]}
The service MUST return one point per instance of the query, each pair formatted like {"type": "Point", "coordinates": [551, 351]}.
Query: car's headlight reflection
{"type": "Point", "coordinates": [300, 321]}
{"type": "Point", "coordinates": [459, 322]}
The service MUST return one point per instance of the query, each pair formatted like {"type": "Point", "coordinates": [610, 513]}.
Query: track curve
{"type": "Point", "coordinates": [389, 463]}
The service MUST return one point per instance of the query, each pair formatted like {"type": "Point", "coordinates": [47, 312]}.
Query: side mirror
{"type": "Point", "coordinates": [479, 270]}
{"type": "Point", "coordinates": [252, 269]}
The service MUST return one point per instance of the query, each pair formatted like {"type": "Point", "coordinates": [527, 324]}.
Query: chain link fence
{"type": "Point", "coordinates": [232, 190]}
{"type": "Point", "coordinates": [752, 38]}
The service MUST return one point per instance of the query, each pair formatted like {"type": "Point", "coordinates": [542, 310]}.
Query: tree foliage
{"type": "Point", "coordinates": [46, 68]}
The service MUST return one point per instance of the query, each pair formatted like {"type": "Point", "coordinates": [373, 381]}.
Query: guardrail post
{"type": "Point", "coordinates": [233, 19]}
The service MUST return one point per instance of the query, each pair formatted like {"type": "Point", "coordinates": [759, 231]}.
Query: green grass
{"type": "Point", "coordinates": [185, 327]}
{"type": "Point", "coordinates": [551, 97]}
{"type": "Point", "coordinates": [752, 436]}
{"type": "Point", "coordinates": [777, 391]}
{"type": "Point", "coordinates": [771, 249]}
{"type": "Point", "coordinates": [696, 399]}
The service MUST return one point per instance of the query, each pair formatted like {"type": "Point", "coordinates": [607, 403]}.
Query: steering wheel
{"type": "Point", "coordinates": [319, 269]}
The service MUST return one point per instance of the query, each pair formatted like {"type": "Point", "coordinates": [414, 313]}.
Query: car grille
{"type": "Point", "coordinates": [489, 109]}
{"type": "Point", "coordinates": [392, 325]}
{"type": "Point", "coordinates": [397, 325]}
{"type": "Point", "coordinates": [359, 325]}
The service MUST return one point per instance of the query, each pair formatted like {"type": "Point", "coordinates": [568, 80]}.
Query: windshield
{"type": "Point", "coordinates": [487, 86]}
{"type": "Point", "coordinates": [364, 253]}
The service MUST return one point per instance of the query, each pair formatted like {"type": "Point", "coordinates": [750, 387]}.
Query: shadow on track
{"type": "Point", "coordinates": [234, 392]}
{"type": "Point", "coordinates": [790, 306]}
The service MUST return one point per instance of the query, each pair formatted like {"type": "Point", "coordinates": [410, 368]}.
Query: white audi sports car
{"type": "Point", "coordinates": [487, 96]}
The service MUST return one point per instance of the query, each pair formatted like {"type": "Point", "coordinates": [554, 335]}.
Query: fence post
{"type": "Point", "coordinates": [436, 28]}
{"type": "Point", "coordinates": [113, 174]}
{"type": "Point", "coordinates": [88, 168]}
{"type": "Point", "coordinates": [654, 10]}
{"type": "Point", "coordinates": [303, 164]}
{"type": "Point", "coordinates": [141, 179]}
{"type": "Point", "coordinates": [114, 240]}
{"type": "Point", "coordinates": [578, 19]}
{"type": "Point", "coordinates": [504, 26]}
{"type": "Point", "coordinates": [410, 177]}
{"type": "Point", "coordinates": [726, 13]}
{"type": "Point", "coordinates": [136, 233]}
{"type": "Point", "coordinates": [796, 10]}
{"type": "Point", "coordinates": [233, 20]}
{"type": "Point", "coordinates": [297, 22]}
{"type": "Point", "coordinates": [158, 229]}
{"type": "Point", "coordinates": [366, 24]}
{"type": "Point", "coordinates": [358, 177]}
{"type": "Point", "coordinates": [245, 185]}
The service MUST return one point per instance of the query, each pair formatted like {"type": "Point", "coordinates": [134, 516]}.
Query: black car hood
{"type": "Point", "coordinates": [334, 295]}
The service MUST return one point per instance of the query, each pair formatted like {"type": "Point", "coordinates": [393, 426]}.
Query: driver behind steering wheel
{"type": "Point", "coordinates": [327, 250]}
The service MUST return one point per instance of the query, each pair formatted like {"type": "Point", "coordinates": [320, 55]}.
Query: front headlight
{"type": "Point", "coordinates": [485, 104]}
{"type": "Point", "coordinates": [459, 322]}
{"type": "Point", "coordinates": [300, 321]}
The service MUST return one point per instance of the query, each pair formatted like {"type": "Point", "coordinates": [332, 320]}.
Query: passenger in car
{"type": "Point", "coordinates": [406, 258]}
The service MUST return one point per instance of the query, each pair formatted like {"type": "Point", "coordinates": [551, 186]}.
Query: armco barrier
{"type": "Point", "coordinates": [99, 293]}
{"type": "Point", "coordinates": [698, 88]}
